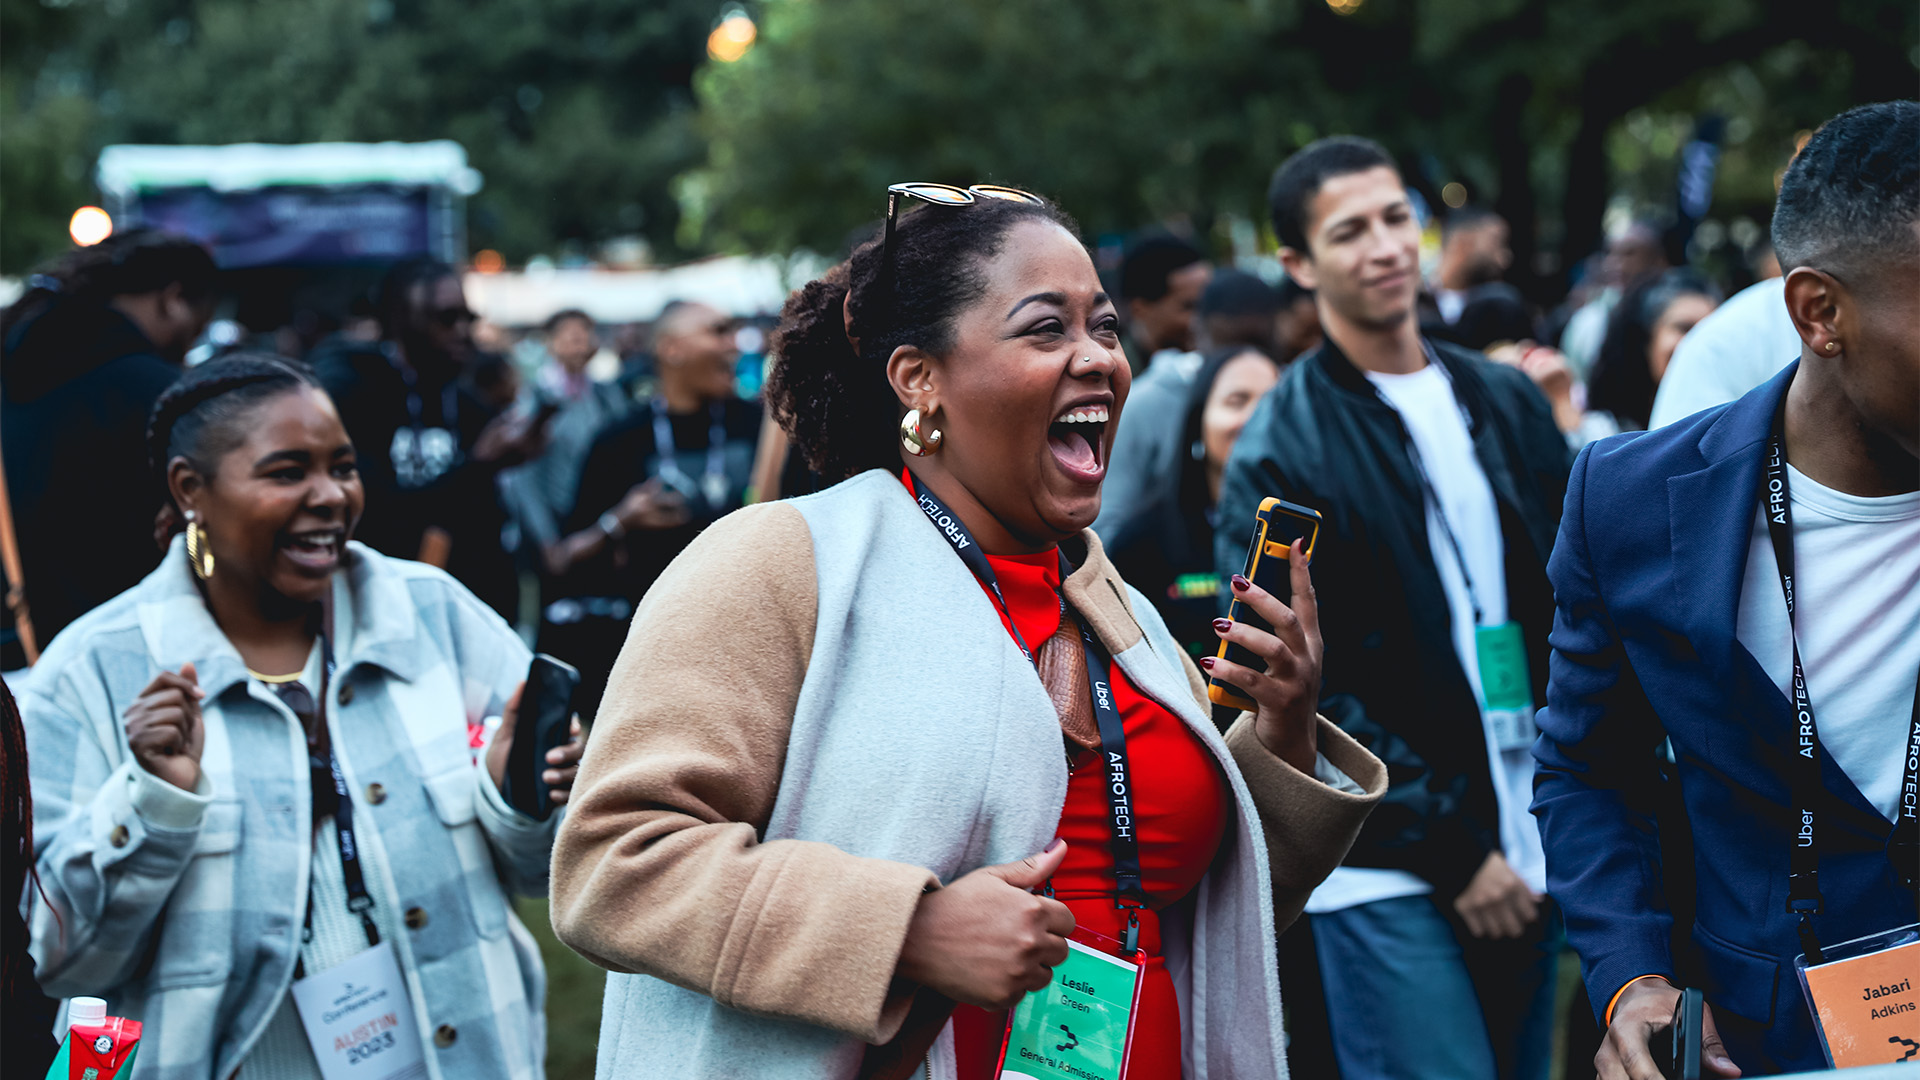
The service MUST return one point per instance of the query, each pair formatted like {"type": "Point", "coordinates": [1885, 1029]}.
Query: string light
{"type": "Point", "coordinates": [732, 38]}
{"type": "Point", "coordinates": [89, 225]}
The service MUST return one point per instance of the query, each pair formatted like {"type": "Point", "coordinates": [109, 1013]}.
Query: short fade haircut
{"type": "Point", "coordinates": [1851, 196]}
{"type": "Point", "coordinates": [1148, 264]}
{"type": "Point", "coordinates": [555, 320]}
{"type": "Point", "coordinates": [1300, 177]}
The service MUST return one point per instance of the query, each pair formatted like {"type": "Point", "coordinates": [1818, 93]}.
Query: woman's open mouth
{"type": "Point", "coordinates": [316, 550]}
{"type": "Point", "coordinates": [1077, 438]}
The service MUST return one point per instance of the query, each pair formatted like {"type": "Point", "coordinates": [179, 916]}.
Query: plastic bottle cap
{"type": "Point", "coordinates": [86, 1011]}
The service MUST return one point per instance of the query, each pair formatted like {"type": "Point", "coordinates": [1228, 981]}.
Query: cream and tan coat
{"type": "Point", "coordinates": [817, 717]}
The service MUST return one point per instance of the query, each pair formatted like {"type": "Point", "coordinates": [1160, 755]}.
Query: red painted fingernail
{"type": "Point", "coordinates": [1240, 582]}
{"type": "Point", "coordinates": [1206, 662]}
{"type": "Point", "coordinates": [1223, 625]}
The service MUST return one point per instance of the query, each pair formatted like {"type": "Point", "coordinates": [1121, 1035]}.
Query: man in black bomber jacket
{"type": "Point", "coordinates": [1440, 477]}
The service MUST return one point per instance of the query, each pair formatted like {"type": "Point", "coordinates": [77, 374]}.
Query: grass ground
{"type": "Point", "coordinates": [573, 999]}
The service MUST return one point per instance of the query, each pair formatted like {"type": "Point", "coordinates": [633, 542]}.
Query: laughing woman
{"type": "Point", "coordinates": [829, 796]}
{"type": "Point", "coordinates": [269, 762]}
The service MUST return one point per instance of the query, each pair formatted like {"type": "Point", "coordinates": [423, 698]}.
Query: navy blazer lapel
{"type": "Point", "coordinates": [1712, 514]}
{"type": "Point", "coordinates": [1711, 521]}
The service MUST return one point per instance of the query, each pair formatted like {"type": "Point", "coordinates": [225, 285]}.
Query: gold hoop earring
{"type": "Point", "coordinates": [913, 440]}
{"type": "Point", "coordinates": [199, 552]}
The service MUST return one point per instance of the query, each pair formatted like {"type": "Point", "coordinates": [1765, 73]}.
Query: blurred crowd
{"type": "Point", "coordinates": [557, 473]}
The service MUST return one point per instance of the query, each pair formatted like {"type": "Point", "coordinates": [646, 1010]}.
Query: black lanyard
{"type": "Point", "coordinates": [296, 697]}
{"type": "Point", "coordinates": [715, 480]}
{"type": "Point", "coordinates": [1429, 494]}
{"type": "Point", "coordinates": [1803, 868]}
{"type": "Point", "coordinates": [1129, 892]}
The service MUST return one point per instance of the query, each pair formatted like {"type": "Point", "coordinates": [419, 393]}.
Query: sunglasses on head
{"type": "Point", "coordinates": [946, 195]}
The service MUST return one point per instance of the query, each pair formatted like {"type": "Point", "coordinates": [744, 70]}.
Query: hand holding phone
{"type": "Point", "coordinates": [1681, 1057]}
{"type": "Point", "coordinates": [1271, 652]}
{"type": "Point", "coordinates": [1651, 1029]}
{"type": "Point", "coordinates": [544, 723]}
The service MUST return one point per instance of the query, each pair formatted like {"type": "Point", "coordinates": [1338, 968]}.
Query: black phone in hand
{"type": "Point", "coordinates": [1677, 1049]}
{"type": "Point", "coordinates": [545, 722]}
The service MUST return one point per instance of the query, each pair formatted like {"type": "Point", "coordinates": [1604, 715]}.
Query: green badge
{"type": "Point", "coordinates": [1077, 1027]}
{"type": "Point", "coordinates": [1503, 666]}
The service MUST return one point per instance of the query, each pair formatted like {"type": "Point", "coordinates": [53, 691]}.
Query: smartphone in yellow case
{"type": "Point", "coordinates": [1276, 525]}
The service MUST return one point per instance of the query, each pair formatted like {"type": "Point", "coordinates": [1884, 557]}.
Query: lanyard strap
{"type": "Point", "coordinates": [1803, 868]}
{"type": "Point", "coordinates": [1118, 788]}
{"type": "Point", "coordinates": [1429, 494]}
{"type": "Point", "coordinates": [359, 901]}
{"type": "Point", "coordinates": [664, 446]}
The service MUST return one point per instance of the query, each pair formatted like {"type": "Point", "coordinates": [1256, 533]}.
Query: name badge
{"type": "Point", "coordinates": [1080, 1026]}
{"type": "Point", "coordinates": [1863, 999]}
{"type": "Point", "coordinates": [359, 1021]}
{"type": "Point", "coordinates": [1505, 686]}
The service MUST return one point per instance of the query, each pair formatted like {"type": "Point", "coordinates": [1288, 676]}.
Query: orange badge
{"type": "Point", "coordinates": [1868, 1007]}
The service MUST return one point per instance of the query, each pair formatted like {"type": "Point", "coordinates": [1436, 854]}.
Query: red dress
{"type": "Point", "coordinates": [1180, 800]}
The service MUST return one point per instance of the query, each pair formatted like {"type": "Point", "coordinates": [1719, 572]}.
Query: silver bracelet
{"type": "Point", "coordinates": [610, 524]}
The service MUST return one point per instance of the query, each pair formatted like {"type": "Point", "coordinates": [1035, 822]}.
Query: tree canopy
{"type": "Point", "coordinates": [598, 118]}
{"type": "Point", "coordinates": [1131, 111]}
{"type": "Point", "coordinates": [578, 113]}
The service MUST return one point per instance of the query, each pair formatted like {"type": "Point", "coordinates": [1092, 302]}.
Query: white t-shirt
{"type": "Point", "coordinates": [1438, 425]}
{"type": "Point", "coordinates": [1857, 572]}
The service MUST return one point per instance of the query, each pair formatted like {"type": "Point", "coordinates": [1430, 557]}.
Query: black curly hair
{"type": "Point", "coordinates": [836, 403]}
{"type": "Point", "coordinates": [203, 414]}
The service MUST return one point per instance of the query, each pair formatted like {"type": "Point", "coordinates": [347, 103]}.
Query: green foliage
{"type": "Point", "coordinates": [1130, 111]}
{"type": "Point", "coordinates": [577, 112]}
{"type": "Point", "coordinates": [581, 113]}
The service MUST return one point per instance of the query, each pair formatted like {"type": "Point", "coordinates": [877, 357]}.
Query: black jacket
{"type": "Point", "coordinates": [77, 385]}
{"type": "Point", "coordinates": [1325, 438]}
{"type": "Point", "coordinates": [438, 484]}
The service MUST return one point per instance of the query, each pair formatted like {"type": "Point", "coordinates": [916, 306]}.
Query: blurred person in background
{"type": "Point", "coordinates": [1166, 549]}
{"type": "Point", "coordinates": [1634, 254]}
{"type": "Point", "coordinates": [1647, 324]}
{"type": "Point", "coordinates": [1470, 304]}
{"type": "Point", "coordinates": [430, 446]}
{"type": "Point", "coordinates": [541, 492]}
{"type": "Point", "coordinates": [826, 726]}
{"type": "Point", "coordinates": [1739, 345]}
{"type": "Point", "coordinates": [1439, 476]}
{"type": "Point", "coordinates": [1743, 586]}
{"type": "Point", "coordinates": [493, 379]}
{"type": "Point", "coordinates": [274, 754]}
{"type": "Point", "coordinates": [1235, 308]}
{"type": "Point", "coordinates": [88, 349]}
{"type": "Point", "coordinates": [650, 483]}
{"type": "Point", "coordinates": [1296, 329]}
{"type": "Point", "coordinates": [1161, 279]}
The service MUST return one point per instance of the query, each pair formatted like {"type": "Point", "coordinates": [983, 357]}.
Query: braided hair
{"type": "Point", "coordinates": [125, 264]}
{"type": "Point", "coordinates": [835, 402]}
{"type": "Point", "coordinates": [203, 415]}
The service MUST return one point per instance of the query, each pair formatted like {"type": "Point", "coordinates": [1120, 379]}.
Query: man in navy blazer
{"type": "Point", "coordinates": [1662, 603]}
